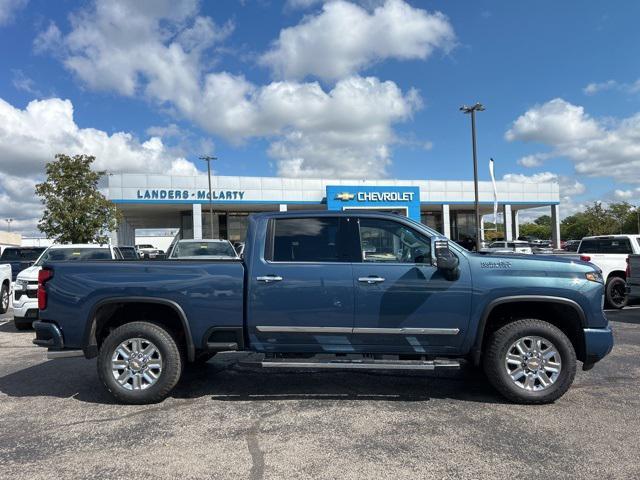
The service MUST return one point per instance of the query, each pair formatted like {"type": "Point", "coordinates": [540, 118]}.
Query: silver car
{"type": "Point", "coordinates": [203, 250]}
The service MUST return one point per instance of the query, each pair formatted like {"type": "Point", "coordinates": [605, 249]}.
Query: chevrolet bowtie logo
{"type": "Point", "coordinates": [345, 196]}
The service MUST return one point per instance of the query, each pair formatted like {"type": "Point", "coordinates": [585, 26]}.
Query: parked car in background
{"type": "Point", "coordinates": [333, 290]}
{"type": "Point", "coordinates": [25, 299]}
{"type": "Point", "coordinates": [609, 253]}
{"type": "Point", "coordinates": [146, 250]}
{"type": "Point", "coordinates": [5, 287]}
{"type": "Point", "coordinates": [20, 258]}
{"type": "Point", "coordinates": [203, 250]}
{"type": "Point", "coordinates": [515, 246]}
{"type": "Point", "coordinates": [541, 249]}
{"type": "Point", "coordinates": [127, 253]}
{"type": "Point", "coordinates": [571, 245]}
{"type": "Point", "coordinates": [633, 278]}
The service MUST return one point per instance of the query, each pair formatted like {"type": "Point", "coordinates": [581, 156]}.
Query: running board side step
{"type": "Point", "coordinates": [364, 364]}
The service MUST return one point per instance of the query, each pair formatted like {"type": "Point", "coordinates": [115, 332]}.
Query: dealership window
{"type": "Point", "coordinates": [389, 241]}
{"type": "Point", "coordinates": [237, 226]}
{"type": "Point", "coordinates": [463, 225]}
{"type": "Point", "coordinates": [306, 239]}
{"type": "Point", "coordinates": [432, 220]}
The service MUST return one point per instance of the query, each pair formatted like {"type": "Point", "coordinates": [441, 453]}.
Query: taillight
{"type": "Point", "coordinates": [44, 275]}
{"type": "Point", "coordinates": [585, 258]}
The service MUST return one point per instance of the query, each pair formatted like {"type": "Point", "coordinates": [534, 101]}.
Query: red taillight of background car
{"type": "Point", "coordinates": [585, 258]}
{"type": "Point", "coordinates": [44, 276]}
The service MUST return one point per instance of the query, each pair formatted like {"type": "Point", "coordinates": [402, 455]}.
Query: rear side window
{"type": "Point", "coordinates": [606, 245]}
{"type": "Point", "coordinates": [306, 239]}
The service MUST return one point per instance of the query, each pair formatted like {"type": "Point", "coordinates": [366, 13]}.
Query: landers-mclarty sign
{"type": "Point", "coordinates": [176, 194]}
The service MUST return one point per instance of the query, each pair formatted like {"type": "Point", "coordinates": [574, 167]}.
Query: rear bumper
{"type": "Point", "coordinates": [598, 343]}
{"type": "Point", "coordinates": [48, 335]}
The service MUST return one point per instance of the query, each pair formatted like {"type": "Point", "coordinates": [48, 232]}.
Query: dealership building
{"type": "Point", "coordinates": [182, 202]}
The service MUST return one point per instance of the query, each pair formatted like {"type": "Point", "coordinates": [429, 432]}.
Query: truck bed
{"type": "Point", "coordinates": [202, 289]}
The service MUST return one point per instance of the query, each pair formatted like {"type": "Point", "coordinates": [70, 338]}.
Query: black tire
{"type": "Point", "coordinates": [23, 325]}
{"type": "Point", "coordinates": [615, 293]}
{"type": "Point", "coordinates": [172, 362]}
{"type": "Point", "coordinates": [496, 351]}
{"type": "Point", "coordinates": [4, 298]}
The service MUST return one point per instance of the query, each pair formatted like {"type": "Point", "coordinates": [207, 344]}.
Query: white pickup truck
{"type": "Point", "coordinates": [609, 253]}
{"type": "Point", "coordinates": [5, 287]}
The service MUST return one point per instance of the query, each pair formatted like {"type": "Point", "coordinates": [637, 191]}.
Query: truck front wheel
{"type": "Point", "coordinates": [139, 363]}
{"type": "Point", "coordinates": [530, 361]}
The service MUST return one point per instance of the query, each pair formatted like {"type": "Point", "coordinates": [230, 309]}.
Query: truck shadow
{"type": "Point", "coordinates": [76, 378]}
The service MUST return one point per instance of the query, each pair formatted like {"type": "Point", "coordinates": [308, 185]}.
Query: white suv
{"type": "Point", "coordinates": [609, 253]}
{"type": "Point", "coordinates": [25, 289]}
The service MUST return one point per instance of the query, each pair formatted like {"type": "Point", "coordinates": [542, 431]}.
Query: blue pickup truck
{"type": "Point", "coordinates": [333, 290]}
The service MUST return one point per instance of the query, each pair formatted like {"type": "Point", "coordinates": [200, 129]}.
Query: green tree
{"type": "Point", "coordinates": [75, 210]}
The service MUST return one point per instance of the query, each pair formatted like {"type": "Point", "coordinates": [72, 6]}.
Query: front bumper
{"type": "Point", "coordinates": [598, 343]}
{"type": "Point", "coordinates": [23, 305]}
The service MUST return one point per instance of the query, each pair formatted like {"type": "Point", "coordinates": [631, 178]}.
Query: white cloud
{"type": "Point", "coordinates": [534, 160]}
{"type": "Point", "coordinates": [137, 48]}
{"type": "Point", "coordinates": [597, 87]}
{"type": "Point", "coordinates": [598, 148]}
{"type": "Point", "coordinates": [345, 38]}
{"type": "Point", "coordinates": [627, 195]}
{"type": "Point", "coordinates": [8, 9]}
{"type": "Point", "coordinates": [31, 137]}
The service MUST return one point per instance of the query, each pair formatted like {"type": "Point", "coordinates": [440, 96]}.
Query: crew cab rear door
{"type": "Point", "coordinates": [301, 293]}
{"type": "Point", "coordinates": [403, 303]}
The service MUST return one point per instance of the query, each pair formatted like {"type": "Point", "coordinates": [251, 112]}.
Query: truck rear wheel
{"type": "Point", "coordinates": [139, 363]}
{"type": "Point", "coordinates": [4, 298]}
{"type": "Point", "coordinates": [615, 292]}
{"type": "Point", "coordinates": [530, 361]}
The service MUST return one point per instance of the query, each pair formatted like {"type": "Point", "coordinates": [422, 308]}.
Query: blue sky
{"type": "Point", "coordinates": [359, 89]}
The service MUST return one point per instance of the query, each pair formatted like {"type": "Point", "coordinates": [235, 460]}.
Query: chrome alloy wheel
{"type": "Point", "coordinates": [5, 299]}
{"type": "Point", "coordinates": [136, 364]}
{"type": "Point", "coordinates": [533, 363]}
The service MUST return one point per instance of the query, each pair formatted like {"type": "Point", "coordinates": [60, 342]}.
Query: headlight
{"type": "Point", "coordinates": [21, 284]}
{"type": "Point", "coordinates": [594, 277]}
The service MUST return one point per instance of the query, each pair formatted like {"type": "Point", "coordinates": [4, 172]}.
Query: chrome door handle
{"type": "Point", "coordinates": [371, 279]}
{"type": "Point", "coordinates": [269, 278]}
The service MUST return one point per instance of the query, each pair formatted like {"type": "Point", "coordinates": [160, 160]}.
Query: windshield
{"type": "Point", "coordinates": [199, 249]}
{"type": "Point", "coordinates": [21, 254]}
{"type": "Point", "coordinates": [74, 254]}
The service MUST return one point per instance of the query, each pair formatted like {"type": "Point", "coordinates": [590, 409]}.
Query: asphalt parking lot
{"type": "Point", "coordinates": [231, 421]}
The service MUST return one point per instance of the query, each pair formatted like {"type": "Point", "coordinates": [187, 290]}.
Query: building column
{"type": "Point", "coordinates": [508, 230]}
{"type": "Point", "coordinates": [446, 220]}
{"type": "Point", "coordinates": [515, 224]}
{"type": "Point", "coordinates": [482, 228]}
{"type": "Point", "coordinates": [283, 207]}
{"type": "Point", "coordinates": [197, 221]}
{"type": "Point", "coordinates": [555, 226]}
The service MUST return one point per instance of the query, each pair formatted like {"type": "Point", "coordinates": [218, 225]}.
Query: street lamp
{"type": "Point", "coordinates": [208, 158]}
{"type": "Point", "coordinates": [478, 107]}
{"type": "Point", "coordinates": [8, 220]}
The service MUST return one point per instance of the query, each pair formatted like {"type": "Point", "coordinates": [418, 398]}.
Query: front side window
{"type": "Point", "coordinates": [389, 241]}
{"type": "Point", "coordinates": [306, 239]}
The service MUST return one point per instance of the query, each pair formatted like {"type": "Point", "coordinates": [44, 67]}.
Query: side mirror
{"type": "Point", "coordinates": [446, 260]}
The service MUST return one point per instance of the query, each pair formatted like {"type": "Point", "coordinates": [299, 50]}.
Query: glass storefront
{"type": "Point", "coordinates": [463, 225]}
{"type": "Point", "coordinates": [432, 220]}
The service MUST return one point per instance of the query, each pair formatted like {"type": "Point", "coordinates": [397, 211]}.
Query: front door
{"type": "Point", "coordinates": [301, 292]}
{"type": "Point", "coordinates": [403, 303]}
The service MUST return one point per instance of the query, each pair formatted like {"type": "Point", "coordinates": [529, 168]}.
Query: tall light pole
{"type": "Point", "coordinates": [8, 220]}
{"type": "Point", "coordinates": [208, 158]}
{"type": "Point", "coordinates": [478, 107]}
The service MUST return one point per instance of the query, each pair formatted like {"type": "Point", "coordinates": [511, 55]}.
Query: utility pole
{"type": "Point", "coordinates": [208, 158]}
{"type": "Point", "coordinates": [478, 107]}
{"type": "Point", "coordinates": [8, 220]}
